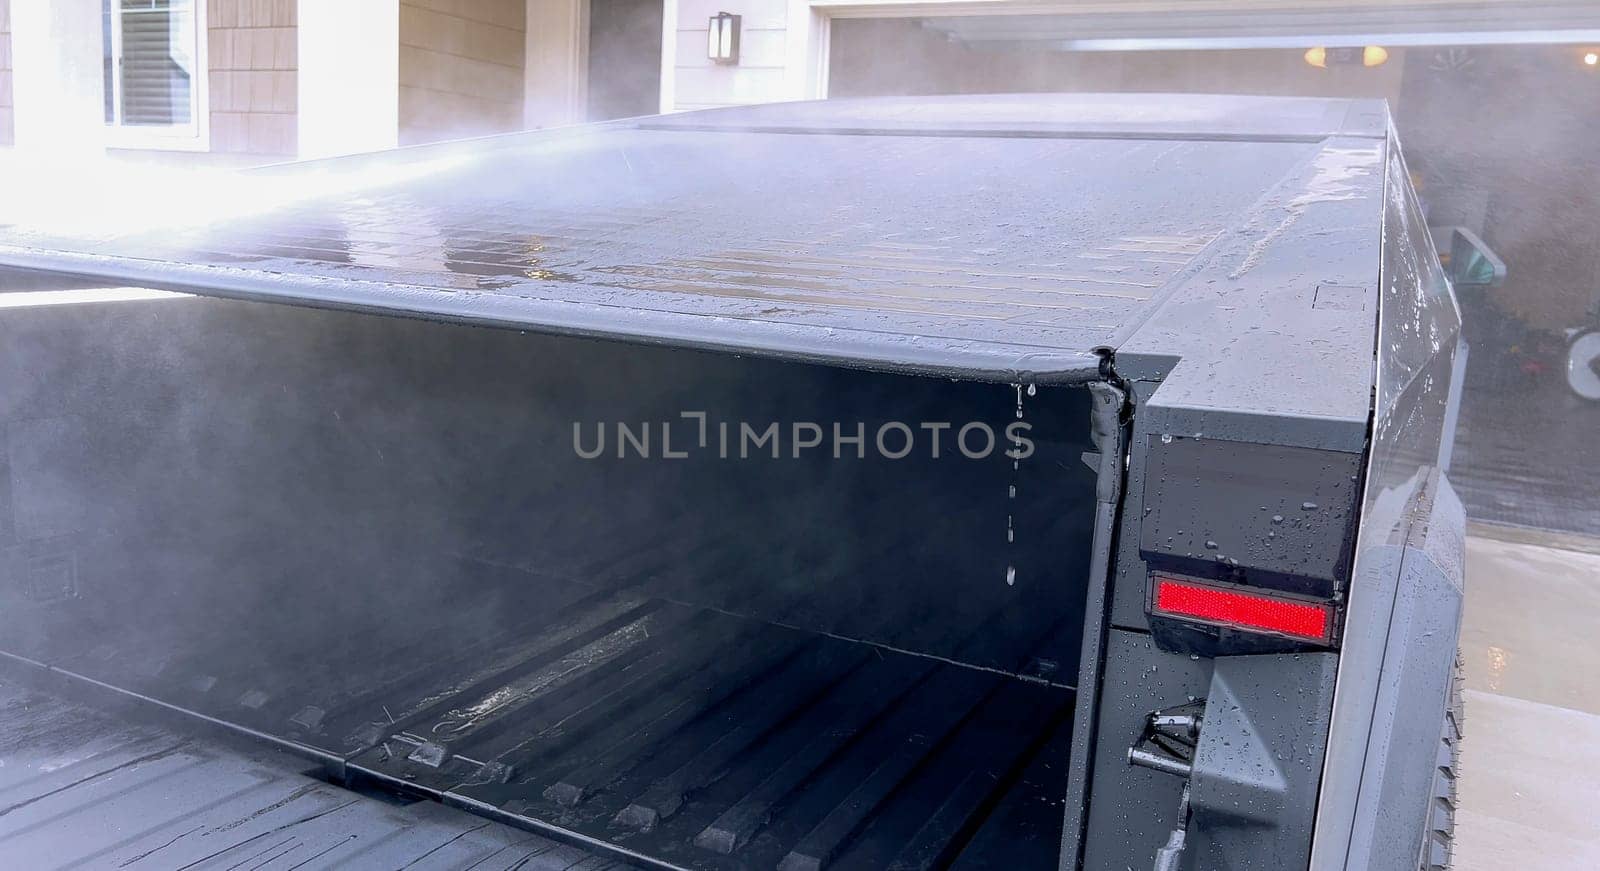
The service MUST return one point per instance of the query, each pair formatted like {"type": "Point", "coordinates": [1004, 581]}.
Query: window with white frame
{"type": "Point", "coordinates": [154, 72]}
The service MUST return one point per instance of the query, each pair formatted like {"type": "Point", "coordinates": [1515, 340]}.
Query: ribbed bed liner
{"type": "Point", "coordinates": [84, 788]}
{"type": "Point", "coordinates": [672, 733]}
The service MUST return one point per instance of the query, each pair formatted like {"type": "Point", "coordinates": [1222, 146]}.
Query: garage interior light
{"type": "Point", "coordinates": [1323, 57]}
{"type": "Point", "coordinates": [722, 39]}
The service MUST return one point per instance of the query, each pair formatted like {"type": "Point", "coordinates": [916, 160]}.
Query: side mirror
{"type": "Point", "coordinates": [1467, 260]}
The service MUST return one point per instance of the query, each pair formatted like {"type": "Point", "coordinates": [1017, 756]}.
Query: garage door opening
{"type": "Point", "coordinates": [624, 58]}
{"type": "Point", "coordinates": [987, 55]}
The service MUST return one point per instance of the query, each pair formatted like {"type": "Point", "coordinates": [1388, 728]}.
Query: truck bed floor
{"type": "Point", "coordinates": [80, 788]}
{"type": "Point", "coordinates": [650, 728]}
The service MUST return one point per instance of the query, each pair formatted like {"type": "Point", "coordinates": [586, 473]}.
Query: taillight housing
{"type": "Point", "coordinates": [1241, 608]}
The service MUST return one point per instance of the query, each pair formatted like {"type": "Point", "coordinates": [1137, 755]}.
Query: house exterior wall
{"type": "Point", "coordinates": [461, 68]}
{"type": "Point", "coordinates": [787, 44]}
{"type": "Point", "coordinates": [253, 58]}
{"type": "Point", "coordinates": [760, 74]}
{"type": "Point", "coordinates": [288, 78]}
{"type": "Point", "coordinates": [7, 129]}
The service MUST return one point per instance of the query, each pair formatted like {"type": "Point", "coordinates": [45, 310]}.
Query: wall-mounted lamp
{"type": "Point", "coordinates": [722, 40]}
{"type": "Point", "coordinates": [1591, 58]}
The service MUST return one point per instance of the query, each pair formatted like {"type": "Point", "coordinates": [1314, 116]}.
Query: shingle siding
{"type": "Point", "coordinates": [7, 115]}
{"type": "Point", "coordinates": [253, 58]}
{"type": "Point", "coordinates": [461, 68]}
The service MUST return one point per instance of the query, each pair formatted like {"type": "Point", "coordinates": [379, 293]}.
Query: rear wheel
{"type": "Point", "coordinates": [1439, 843]}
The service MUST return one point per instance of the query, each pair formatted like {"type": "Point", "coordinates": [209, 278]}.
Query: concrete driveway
{"type": "Point", "coordinates": [1530, 770]}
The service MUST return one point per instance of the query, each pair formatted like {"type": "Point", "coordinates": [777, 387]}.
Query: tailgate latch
{"type": "Point", "coordinates": [1169, 738]}
{"type": "Point", "coordinates": [1167, 744]}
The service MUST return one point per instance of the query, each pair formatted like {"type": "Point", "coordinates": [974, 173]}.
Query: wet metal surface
{"type": "Point", "coordinates": [1376, 757]}
{"type": "Point", "coordinates": [994, 254]}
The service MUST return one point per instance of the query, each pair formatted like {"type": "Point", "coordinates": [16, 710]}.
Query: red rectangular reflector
{"type": "Point", "coordinates": [1231, 607]}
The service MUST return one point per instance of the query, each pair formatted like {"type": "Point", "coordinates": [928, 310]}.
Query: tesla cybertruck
{"type": "Point", "coordinates": [977, 482]}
